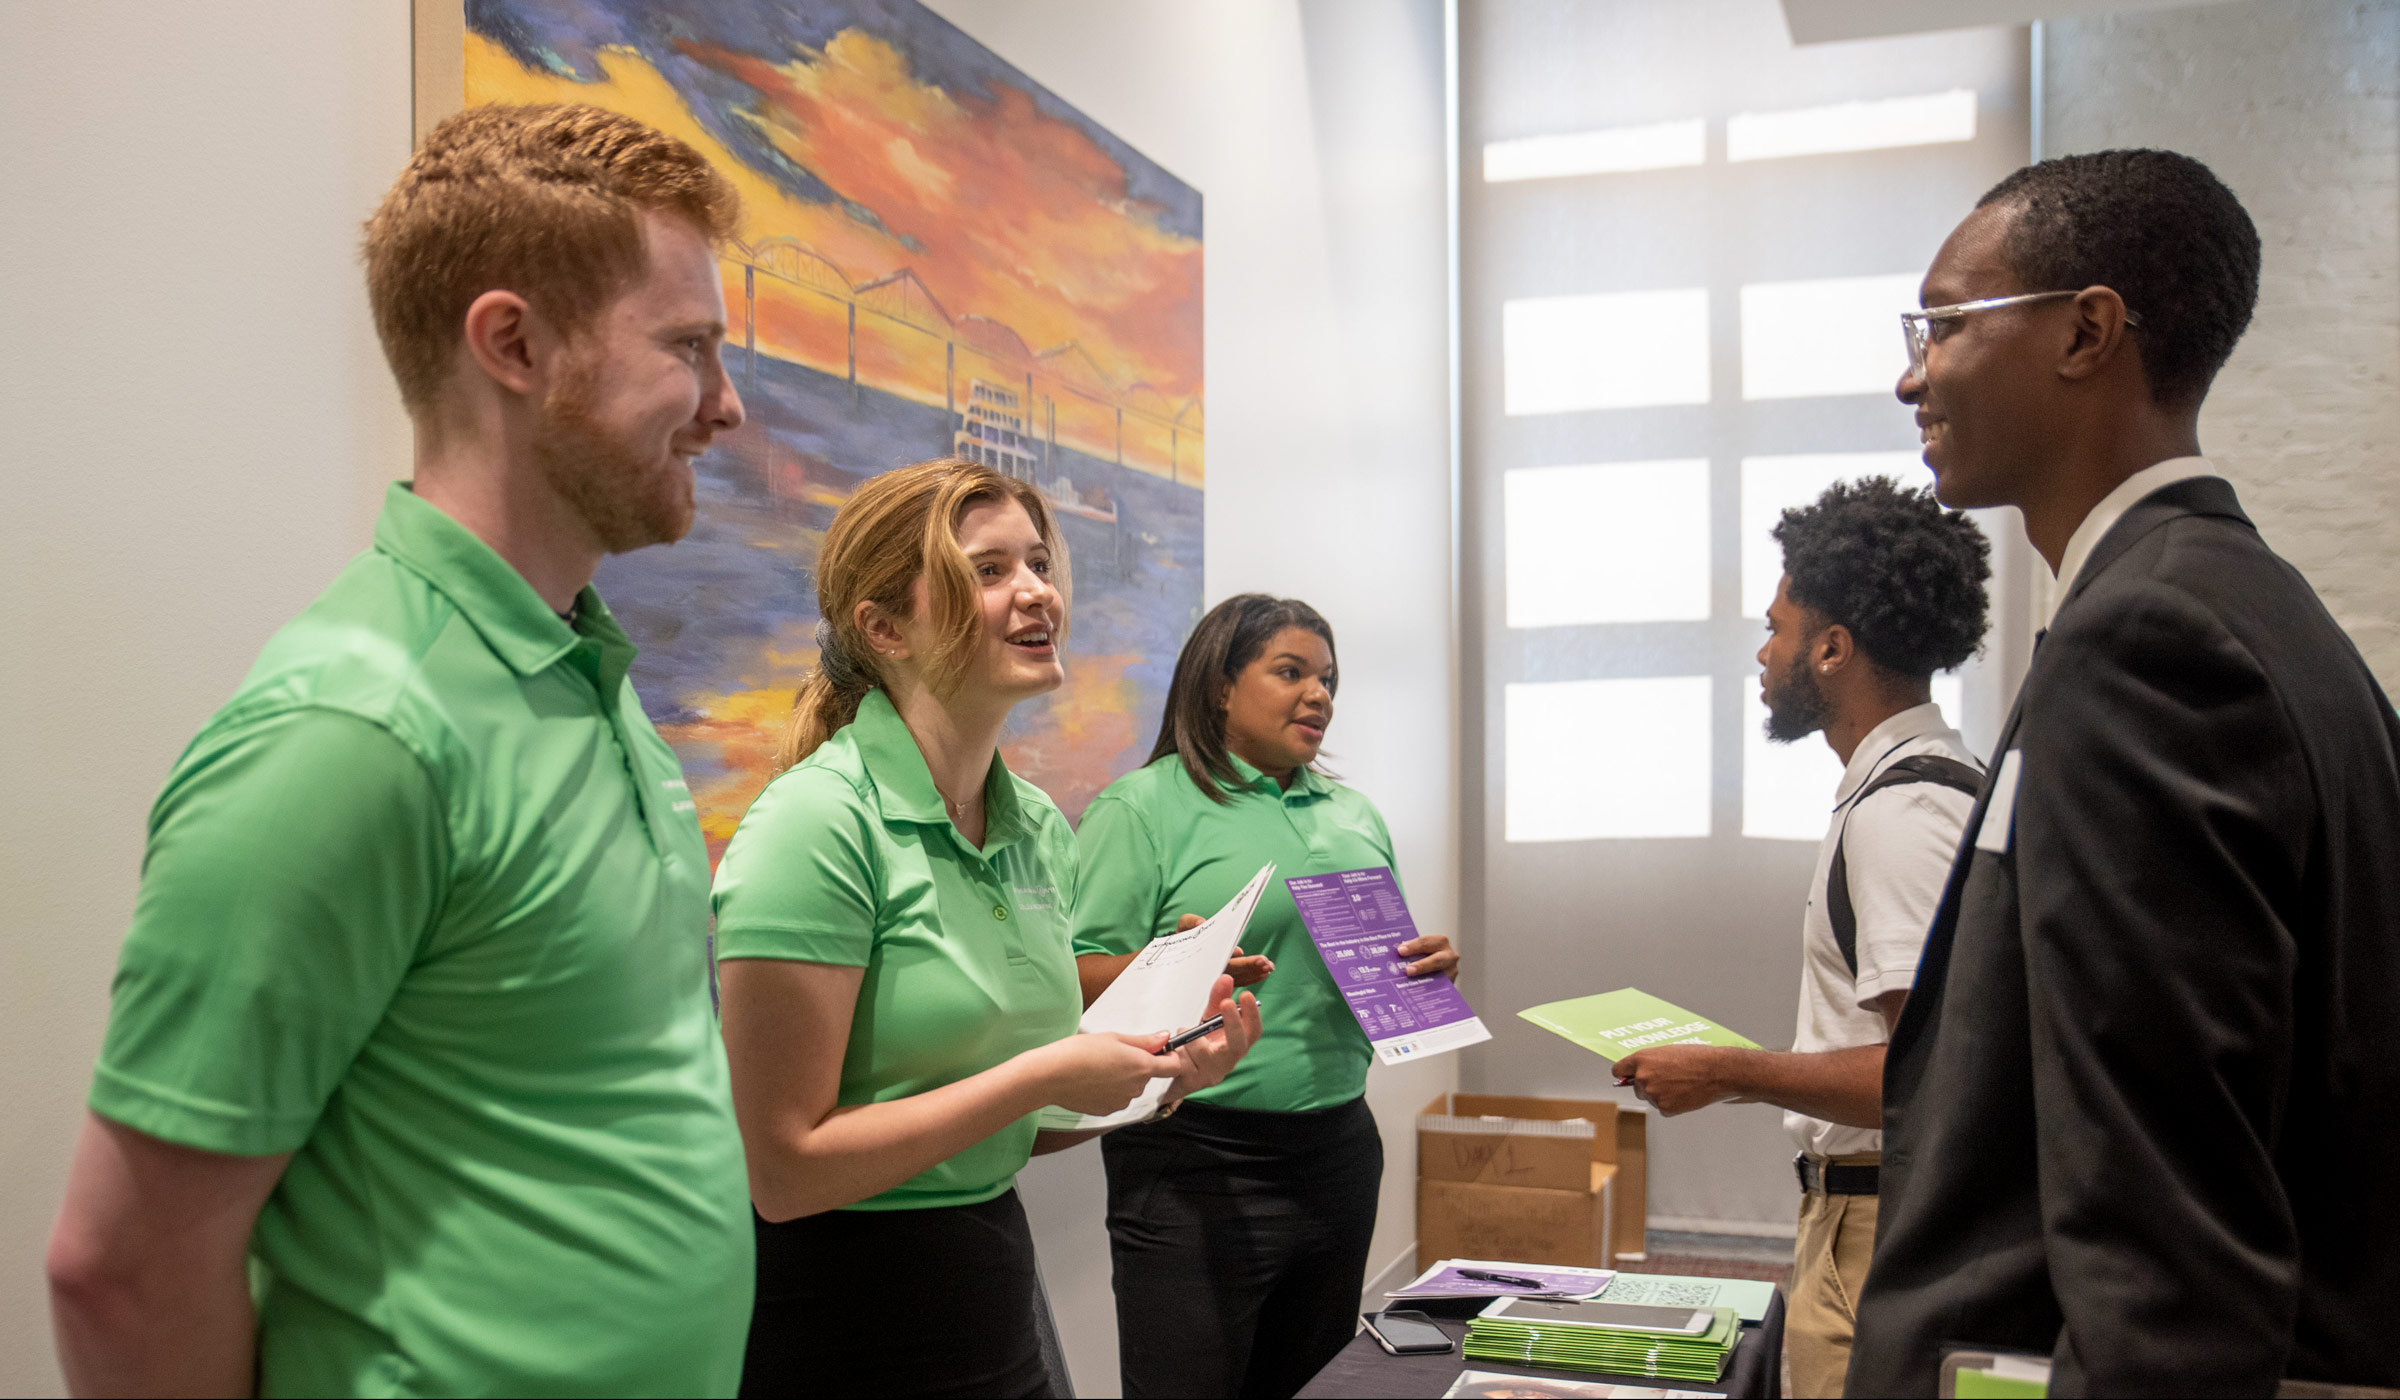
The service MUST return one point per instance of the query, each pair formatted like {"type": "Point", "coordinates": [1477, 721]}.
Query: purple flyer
{"type": "Point", "coordinates": [1356, 918]}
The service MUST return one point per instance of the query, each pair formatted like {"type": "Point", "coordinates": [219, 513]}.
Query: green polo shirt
{"type": "Point", "coordinates": [850, 858]}
{"type": "Point", "coordinates": [1156, 848]}
{"type": "Point", "coordinates": [425, 905]}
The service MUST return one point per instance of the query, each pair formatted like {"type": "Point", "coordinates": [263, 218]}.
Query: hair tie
{"type": "Point", "coordinates": [835, 663]}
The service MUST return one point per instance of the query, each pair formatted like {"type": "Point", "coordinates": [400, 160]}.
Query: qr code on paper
{"type": "Point", "coordinates": [1660, 1293]}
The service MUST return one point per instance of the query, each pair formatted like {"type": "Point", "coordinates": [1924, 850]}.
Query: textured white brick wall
{"type": "Point", "coordinates": [2296, 105]}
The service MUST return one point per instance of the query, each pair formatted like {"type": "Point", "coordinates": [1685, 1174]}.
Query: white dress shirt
{"type": "Point", "coordinates": [2112, 508]}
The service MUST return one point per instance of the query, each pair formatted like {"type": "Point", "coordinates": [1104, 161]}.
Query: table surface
{"type": "Point", "coordinates": [1363, 1369]}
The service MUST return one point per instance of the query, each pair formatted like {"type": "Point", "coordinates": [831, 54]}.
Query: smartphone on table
{"type": "Point", "coordinates": [1405, 1332]}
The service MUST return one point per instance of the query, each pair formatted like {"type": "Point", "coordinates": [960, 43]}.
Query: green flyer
{"type": "Point", "coordinates": [1614, 1024]}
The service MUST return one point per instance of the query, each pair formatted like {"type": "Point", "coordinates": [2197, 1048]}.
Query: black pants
{"type": "Point", "coordinates": [897, 1302]}
{"type": "Point", "coordinates": [1240, 1244]}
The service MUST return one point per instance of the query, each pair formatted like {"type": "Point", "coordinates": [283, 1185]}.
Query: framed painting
{"type": "Point", "coordinates": [938, 257]}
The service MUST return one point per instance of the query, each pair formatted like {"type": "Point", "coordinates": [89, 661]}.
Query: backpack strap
{"type": "Point", "coordinates": [1918, 768]}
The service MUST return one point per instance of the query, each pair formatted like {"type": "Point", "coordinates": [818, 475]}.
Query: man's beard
{"type": "Point", "coordinates": [1796, 706]}
{"type": "Point", "coordinates": [627, 499]}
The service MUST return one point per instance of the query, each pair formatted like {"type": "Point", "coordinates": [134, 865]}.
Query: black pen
{"type": "Point", "coordinates": [1484, 1276]}
{"type": "Point", "coordinates": [1208, 1027]}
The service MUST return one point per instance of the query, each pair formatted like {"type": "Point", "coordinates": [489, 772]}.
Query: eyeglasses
{"type": "Point", "coordinates": [1917, 326]}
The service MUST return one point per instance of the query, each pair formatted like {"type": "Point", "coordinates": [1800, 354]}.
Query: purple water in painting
{"type": "Point", "coordinates": [1357, 919]}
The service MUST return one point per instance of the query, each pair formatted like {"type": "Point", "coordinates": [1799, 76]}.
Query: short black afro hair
{"type": "Point", "coordinates": [2158, 228]}
{"type": "Point", "coordinates": [1903, 574]}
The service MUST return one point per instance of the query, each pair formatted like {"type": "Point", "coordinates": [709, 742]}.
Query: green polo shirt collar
{"type": "Point", "coordinates": [1155, 846]}
{"type": "Point", "coordinates": [1307, 784]}
{"type": "Point", "coordinates": [904, 790]}
{"type": "Point", "coordinates": [503, 608]}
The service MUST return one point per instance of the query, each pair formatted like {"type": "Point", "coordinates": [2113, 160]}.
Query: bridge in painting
{"type": "Point", "coordinates": [892, 333]}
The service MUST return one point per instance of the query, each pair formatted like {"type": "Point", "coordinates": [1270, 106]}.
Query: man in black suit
{"type": "Point", "coordinates": [2142, 1111]}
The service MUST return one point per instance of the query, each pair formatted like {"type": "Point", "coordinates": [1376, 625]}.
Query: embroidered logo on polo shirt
{"type": "Point", "coordinates": [1036, 896]}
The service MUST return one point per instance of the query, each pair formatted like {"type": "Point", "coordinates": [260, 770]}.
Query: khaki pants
{"type": "Point", "coordinates": [1829, 1267]}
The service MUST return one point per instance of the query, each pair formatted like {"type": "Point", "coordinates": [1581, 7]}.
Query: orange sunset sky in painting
{"type": "Point", "coordinates": [1000, 210]}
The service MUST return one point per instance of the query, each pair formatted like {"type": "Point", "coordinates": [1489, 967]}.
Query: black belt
{"type": "Point", "coordinates": [1833, 1179]}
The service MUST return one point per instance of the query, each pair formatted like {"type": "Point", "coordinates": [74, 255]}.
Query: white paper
{"type": "Point", "coordinates": [1164, 988]}
{"type": "Point", "coordinates": [1999, 814]}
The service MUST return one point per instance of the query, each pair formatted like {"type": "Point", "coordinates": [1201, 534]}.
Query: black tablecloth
{"type": "Point", "coordinates": [1364, 1369]}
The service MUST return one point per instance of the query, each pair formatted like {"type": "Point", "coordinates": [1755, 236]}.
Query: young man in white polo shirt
{"type": "Point", "coordinates": [1881, 588]}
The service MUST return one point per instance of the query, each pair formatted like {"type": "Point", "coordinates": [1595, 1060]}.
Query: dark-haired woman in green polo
{"type": "Point", "coordinates": [1239, 1227]}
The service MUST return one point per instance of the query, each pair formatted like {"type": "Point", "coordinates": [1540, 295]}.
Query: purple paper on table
{"type": "Point", "coordinates": [1481, 1278]}
{"type": "Point", "coordinates": [1357, 919]}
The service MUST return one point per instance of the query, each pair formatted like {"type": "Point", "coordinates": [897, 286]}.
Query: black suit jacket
{"type": "Point", "coordinates": [2142, 1111]}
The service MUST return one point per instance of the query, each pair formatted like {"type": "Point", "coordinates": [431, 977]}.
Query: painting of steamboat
{"type": "Point", "coordinates": [991, 430]}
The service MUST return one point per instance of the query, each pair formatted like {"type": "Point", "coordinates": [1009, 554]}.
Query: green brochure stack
{"type": "Point", "coordinates": [1583, 1346]}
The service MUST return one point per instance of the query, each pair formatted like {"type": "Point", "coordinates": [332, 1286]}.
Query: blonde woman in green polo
{"type": "Point", "coordinates": [900, 997]}
{"type": "Point", "coordinates": [1244, 1219]}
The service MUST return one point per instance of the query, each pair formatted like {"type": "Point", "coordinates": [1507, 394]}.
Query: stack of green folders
{"type": "Point", "coordinates": [1558, 1340]}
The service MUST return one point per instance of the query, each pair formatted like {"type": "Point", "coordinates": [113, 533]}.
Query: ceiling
{"type": "Point", "coordinates": [1821, 21]}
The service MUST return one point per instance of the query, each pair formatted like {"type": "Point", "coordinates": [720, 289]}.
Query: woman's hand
{"type": "Point", "coordinates": [1098, 971]}
{"type": "Point", "coordinates": [1245, 971]}
{"type": "Point", "coordinates": [1101, 1072]}
{"type": "Point", "coordinates": [1209, 1059]}
{"type": "Point", "coordinates": [1433, 954]}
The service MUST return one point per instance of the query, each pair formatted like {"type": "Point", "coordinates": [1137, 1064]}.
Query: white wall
{"type": "Point", "coordinates": [2296, 105]}
{"type": "Point", "coordinates": [1314, 132]}
{"type": "Point", "coordinates": [197, 423]}
{"type": "Point", "coordinates": [199, 427]}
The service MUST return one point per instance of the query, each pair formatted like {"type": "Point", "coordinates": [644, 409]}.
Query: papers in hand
{"type": "Point", "coordinates": [1614, 1024]}
{"type": "Point", "coordinates": [1466, 1278]}
{"type": "Point", "coordinates": [1358, 921]}
{"type": "Point", "coordinates": [1165, 987]}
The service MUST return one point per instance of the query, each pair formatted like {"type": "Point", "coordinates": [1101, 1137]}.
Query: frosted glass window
{"type": "Point", "coordinates": [1613, 350]}
{"type": "Point", "coordinates": [1658, 146]}
{"type": "Point", "coordinates": [1833, 335]}
{"type": "Point", "coordinates": [1772, 484]}
{"type": "Point", "coordinates": [1616, 542]}
{"type": "Point", "coordinates": [1925, 120]}
{"type": "Point", "coordinates": [1601, 760]}
{"type": "Point", "coordinates": [1788, 789]}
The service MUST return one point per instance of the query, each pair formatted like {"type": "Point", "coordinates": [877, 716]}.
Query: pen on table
{"type": "Point", "coordinates": [1208, 1027]}
{"type": "Point", "coordinates": [1486, 1276]}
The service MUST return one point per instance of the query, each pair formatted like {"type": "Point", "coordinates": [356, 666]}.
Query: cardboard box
{"type": "Point", "coordinates": [1538, 1181]}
